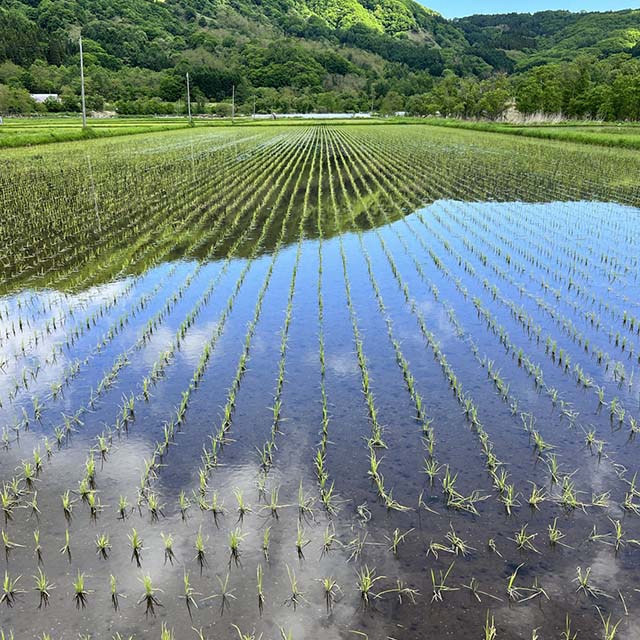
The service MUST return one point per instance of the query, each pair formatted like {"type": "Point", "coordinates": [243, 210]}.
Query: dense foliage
{"type": "Point", "coordinates": [317, 55]}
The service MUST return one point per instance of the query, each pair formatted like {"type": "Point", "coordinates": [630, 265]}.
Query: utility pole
{"type": "Point", "coordinates": [254, 108]}
{"type": "Point", "coordinates": [84, 107]}
{"type": "Point", "coordinates": [189, 100]}
{"type": "Point", "coordinates": [233, 103]}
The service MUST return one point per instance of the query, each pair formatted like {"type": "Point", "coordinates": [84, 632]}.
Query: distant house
{"type": "Point", "coordinates": [41, 97]}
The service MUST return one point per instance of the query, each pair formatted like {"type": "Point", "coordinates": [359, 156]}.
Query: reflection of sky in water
{"type": "Point", "coordinates": [347, 456]}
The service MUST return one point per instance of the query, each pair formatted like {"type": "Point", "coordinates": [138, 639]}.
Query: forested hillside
{"type": "Point", "coordinates": [317, 55]}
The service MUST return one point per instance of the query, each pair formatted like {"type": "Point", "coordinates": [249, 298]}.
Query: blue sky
{"type": "Point", "coordinates": [458, 8]}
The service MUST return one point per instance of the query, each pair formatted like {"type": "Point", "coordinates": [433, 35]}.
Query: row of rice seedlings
{"type": "Point", "coordinates": [376, 441]}
{"type": "Point", "coordinates": [126, 409]}
{"type": "Point", "coordinates": [427, 431]}
{"type": "Point", "coordinates": [268, 448]}
{"type": "Point", "coordinates": [217, 441]}
{"type": "Point", "coordinates": [597, 500]}
{"type": "Point", "coordinates": [75, 368]}
{"type": "Point", "coordinates": [328, 496]}
{"type": "Point", "coordinates": [454, 498]}
{"type": "Point", "coordinates": [625, 320]}
{"type": "Point", "coordinates": [565, 324]}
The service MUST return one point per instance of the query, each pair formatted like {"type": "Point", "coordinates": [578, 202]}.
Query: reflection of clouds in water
{"type": "Point", "coordinates": [192, 344]}
{"type": "Point", "coordinates": [436, 321]}
{"type": "Point", "coordinates": [343, 364]}
{"type": "Point", "coordinates": [40, 355]}
{"type": "Point", "coordinates": [160, 341]}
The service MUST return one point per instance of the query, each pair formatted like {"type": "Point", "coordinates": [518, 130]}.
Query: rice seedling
{"type": "Point", "coordinates": [9, 545]}
{"type": "Point", "coordinates": [243, 507]}
{"type": "Point", "coordinates": [246, 636]}
{"type": "Point", "coordinates": [189, 593]}
{"type": "Point", "coordinates": [524, 540]}
{"type": "Point", "coordinates": [167, 541]}
{"type": "Point", "coordinates": [555, 535]}
{"type": "Point", "coordinates": [103, 546]}
{"type": "Point", "coordinates": [329, 539]}
{"type": "Point", "coordinates": [148, 597]}
{"type": "Point", "coordinates": [235, 538]}
{"type": "Point", "coordinates": [266, 536]}
{"type": "Point", "coordinates": [305, 503]}
{"type": "Point", "coordinates": [536, 497]}
{"type": "Point", "coordinates": [184, 504]}
{"type": "Point", "coordinates": [226, 594]}
{"type": "Point", "coordinates": [474, 589]}
{"type": "Point", "coordinates": [201, 553]}
{"type": "Point", "coordinates": [274, 504]}
{"type": "Point", "coordinates": [585, 587]}
{"type": "Point", "coordinates": [154, 506]}
{"type": "Point", "coordinates": [609, 629]}
{"type": "Point", "coordinates": [297, 597]}
{"type": "Point", "coordinates": [216, 507]}
{"type": "Point", "coordinates": [301, 541]}
{"type": "Point", "coordinates": [535, 591]}
{"type": "Point", "coordinates": [115, 595]}
{"type": "Point", "coordinates": [458, 545]}
{"type": "Point", "coordinates": [493, 547]}
{"type": "Point", "coordinates": [490, 631]}
{"type": "Point", "coordinates": [67, 505]}
{"type": "Point", "coordinates": [66, 547]}
{"type": "Point", "coordinates": [513, 591]}
{"type": "Point", "coordinates": [10, 589]}
{"type": "Point", "coordinates": [37, 547]}
{"type": "Point", "coordinates": [431, 469]}
{"type": "Point", "coordinates": [80, 592]}
{"type": "Point", "coordinates": [43, 587]}
{"type": "Point", "coordinates": [439, 584]}
{"type": "Point", "coordinates": [8, 503]}
{"type": "Point", "coordinates": [137, 547]}
{"type": "Point", "coordinates": [331, 589]}
{"type": "Point", "coordinates": [259, 588]}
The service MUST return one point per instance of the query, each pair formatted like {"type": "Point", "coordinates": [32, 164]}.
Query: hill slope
{"type": "Point", "coordinates": [300, 54]}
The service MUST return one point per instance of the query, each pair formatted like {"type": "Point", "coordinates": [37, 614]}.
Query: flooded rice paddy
{"type": "Point", "coordinates": [319, 382]}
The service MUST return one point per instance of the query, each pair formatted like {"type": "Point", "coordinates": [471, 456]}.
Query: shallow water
{"type": "Point", "coordinates": [490, 292]}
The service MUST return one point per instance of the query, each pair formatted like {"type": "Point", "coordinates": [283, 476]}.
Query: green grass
{"type": "Point", "coordinates": [626, 136]}
{"type": "Point", "coordinates": [20, 132]}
